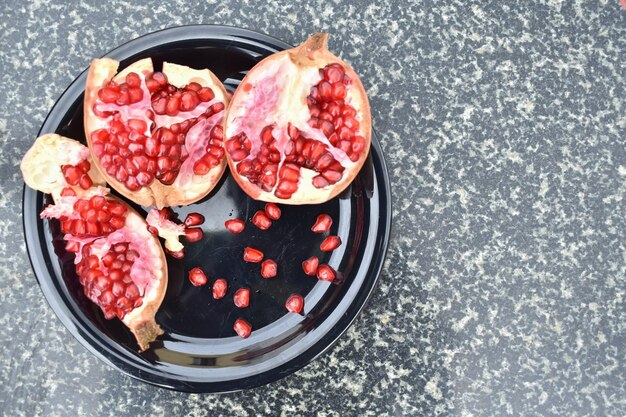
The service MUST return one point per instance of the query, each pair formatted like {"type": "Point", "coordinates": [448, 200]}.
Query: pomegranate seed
{"type": "Point", "coordinates": [269, 268]}
{"type": "Point", "coordinates": [193, 234]}
{"type": "Point", "coordinates": [330, 243]}
{"type": "Point", "coordinates": [235, 226]}
{"type": "Point", "coordinates": [322, 224]}
{"type": "Point", "coordinates": [194, 219]}
{"type": "Point", "coordinates": [219, 288]}
{"type": "Point", "coordinates": [261, 220]}
{"type": "Point", "coordinates": [242, 328]}
{"type": "Point", "coordinates": [310, 265]}
{"type": "Point", "coordinates": [72, 246]}
{"type": "Point", "coordinates": [325, 273]}
{"type": "Point", "coordinates": [68, 192]}
{"type": "Point", "coordinates": [197, 277]}
{"type": "Point", "coordinates": [252, 255]}
{"type": "Point", "coordinates": [294, 304]}
{"type": "Point", "coordinates": [176, 255]}
{"type": "Point", "coordinates": [242, 297]}
{"type": "Point", "coordinates": [272, 211]}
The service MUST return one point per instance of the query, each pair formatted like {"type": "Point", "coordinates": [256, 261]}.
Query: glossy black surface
{"type": "Point", "coordinates": [199, 351]}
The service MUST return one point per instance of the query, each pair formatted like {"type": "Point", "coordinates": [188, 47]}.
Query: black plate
{"type": "Point", "coordinates": [199, 351]}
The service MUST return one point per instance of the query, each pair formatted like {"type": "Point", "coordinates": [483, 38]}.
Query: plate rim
{"type": "Point", "coordinates": [90, 340]}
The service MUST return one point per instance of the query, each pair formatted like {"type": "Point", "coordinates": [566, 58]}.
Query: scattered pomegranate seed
{"type": "Point", "coordinates": [194, 219]}
{"type": "Point", "coordinates": [235, 226]}
{"type": "Point", "coordinates": [241, 298]}
{"type": "Point", "coordinates": [325, 273]}
{"type": "Point", "coordinates": [330, 243]}
{"type": "Point", "coordinates": [322, 224]}
{"type": "Point", "coordinates": [269, 269]}
{"type": "Point", "coordinates": [197, 277]}
{"type": "Point", "coordinates": [252, 255]}
{"type": "Point", "coordinates": [295, 303]}
{"type": "Point", "coordinates": [176, 255]}
{"type": "Point", "coordinates": [310, 265]}
{"type": "Point", "coordinates": [272, 211]}
{"type": "Point", "coordinates": [242, 328]}
{"type": "Point", "coordinates": [219, 288]}
{"type": "Point", "coordinates": [194, 234]}
{"type": "Point", "coordinates": [261, 220]}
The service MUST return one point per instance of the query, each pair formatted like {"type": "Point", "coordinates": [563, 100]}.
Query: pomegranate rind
{"type": "Point", "coordinates": [307, 58]}
{"type": "Point", "coordinates": [181, 192]}
{"type": "Point", "coordinates": [41, 165]}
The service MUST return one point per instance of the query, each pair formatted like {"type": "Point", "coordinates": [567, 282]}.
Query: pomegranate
{"type": "Point", "coordinates": [330, 243]}
{"type": "Point", "coordinates": [197, 277]}
{"type": "Point", "coordinates": [310, 265]}
{"type": "Point", "coordinates": [326, 273]}
{"type": "Point", "coordinates": [241, 298]}
{"type": "Point", "coordinates": [252, 255]}
{"type": "Point", "coordinates": [295, 303]}
{"type": "Point", "coordinates": [298, 126]}
{"type": "Point", "coordinates": [235, 226]}
{"type": "Point", "coordinates": [322, 224]}
{"type": "Point", "coordinates": [156, 137]}
{"type": "Point", "coordinates": [219, 288]}
{"type": "Point", "coordinates": [159, 223]}
{"type": "Point", "coordinates": [261, 220]}
{"type": "Point", "coordinates": [242, 328]}
{"type": "Point", "coordinates": [269, 269]}
{"type": "Point", "coordinates": [119, 263]}
{"type": "Point", "coordinates": [272, 211]}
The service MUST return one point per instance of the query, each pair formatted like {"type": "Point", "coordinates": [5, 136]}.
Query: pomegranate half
{"type": "Point", "coordinates": [298, 128]}
{"type": "Point", "coordinates": [119, 263]}
{"type": "Point", "coordinates": [156, 137]}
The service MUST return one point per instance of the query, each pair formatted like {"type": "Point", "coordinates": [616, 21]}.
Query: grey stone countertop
{"type": "Point", "coordinates": [504, 128]}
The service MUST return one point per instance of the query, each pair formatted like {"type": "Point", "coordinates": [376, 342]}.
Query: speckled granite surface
{"type": "Point", "coordinates": [504, 128]}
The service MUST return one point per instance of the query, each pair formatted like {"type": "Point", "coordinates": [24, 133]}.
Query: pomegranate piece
{"type": "Point", "coordinates": [311, 154]}
{"type": "Point", "coordinates": [322, 224]}
{"type": "Point", "coordinates": [197, 277]}
{"type": "Point", "coordinates": [193, 219]}
{"type": "Point", "coordinates": [219, 288]}
{"type": "Point", "coordinates": [310, 265]}
{"type": "Point", "coordinates": [330, 243]}
{"type": "Point", "coordinates": [272, 211]}
{"type": "Point", "coordinates": [157, 137]}
{"type": "Point", "coordinates": [269, 268]}
{"type": "Point", "coordinates": [235, 226]}
{"type": "Point", "coordinates": [242, 328]}
{"type": "Point", "coordinates": [120, 265]}
{"type": "Point", "coordinates": [295, 304]}
{"type": "Point", "coordinates": [193, 234]}
{"type": "Point", "coordinates": [326, 273]}
{"type": "Point", "coordinates": [241, 298]}
{"type": "Point", "coordinates": [261, 220]}
{"type": "Point", "coordinates": [159, 223]}
{"type": "Point", "coordinates": [252, 255]}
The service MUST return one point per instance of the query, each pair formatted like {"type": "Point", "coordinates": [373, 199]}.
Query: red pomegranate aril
{"type": "Point", "coordinates": [309, 266]}
{"type": "Point", "coordinates": [68, 192]}
{"type": "Point", "coordinates": [252, 255]}
{"type": "Point", "coordinates": [241, 298]}
{"type": "Point", "coordinates": [197, 277]}
{"type": "Point", "coordinates": [295, 304]}
{"type": "Point", "coordinates": [326, 273]}
{"type": "Point", "coordinates": [269, 268]}
{"type": "Point", "coordinates": [322, 224]}
{"type": "Point", "coordinates": [272, 211]}
{"type": "Point", "coordinates": [330, 243]}
{"type": "Point", "coordinates": [193, 234]}
{"type": "Point", "coordinates": [235, 226]}
{"type": "Point", "coordinates": [194, 219]}
{"type": "Point", "coordinates": [206, 94]}
{"type": "Point", "coordinates": [219, 288]}
{"type": "Point", "coordinates": [242, 328]}
{"type": "Point", "coordinates": [261, 220]}
{"type": "Point", "coordinates": [175, 254]}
